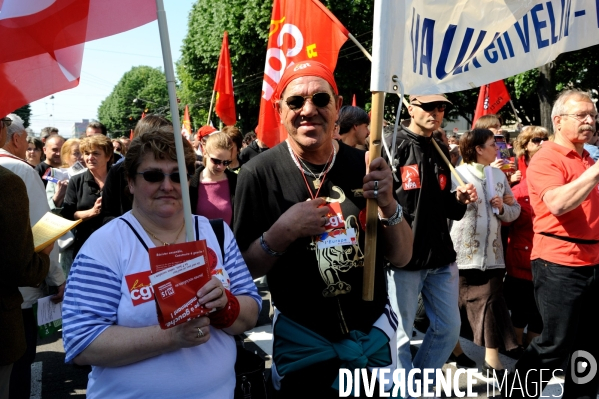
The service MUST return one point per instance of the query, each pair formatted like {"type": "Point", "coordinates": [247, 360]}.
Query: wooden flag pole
{"type": "Point", "coordinates": [210, 109]}
{"type": "Point", "coordinates": [374, 151]}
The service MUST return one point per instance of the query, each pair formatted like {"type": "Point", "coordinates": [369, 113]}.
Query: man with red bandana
{"type": "Point", "coordinates": [425, 193]}
{"type": "Point", "coordinates": [301, 207]}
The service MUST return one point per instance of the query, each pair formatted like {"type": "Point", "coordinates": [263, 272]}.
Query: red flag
{"type": "Point", "coordinates": [491, 98]}
{"type": "Point", "coordinates": [143, 115]}
{"type": "Point", "coordinates": [353, 101]}
{"type": "Point", "coordinates": [186, 120]}
{"type": "Point", "coordinates": [48, 37]}
{"type": "Point", "coordinates": [223, 85]}
{"type": "Point", "coordinates": [131, 135]}
{"type": "Point", "coordinates": [299, 31]}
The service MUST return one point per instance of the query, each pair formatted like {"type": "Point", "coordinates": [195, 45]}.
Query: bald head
{"type": "Point", "coordinates": [52, 149]}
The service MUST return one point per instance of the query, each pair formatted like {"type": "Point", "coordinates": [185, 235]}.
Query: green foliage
{"type": "Point", "coordinates": [120, 113]}
{"type": "Point", "coordinates": [25, 113]}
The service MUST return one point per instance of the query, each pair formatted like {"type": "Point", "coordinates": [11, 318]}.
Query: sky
{"type": "Point", "coordinates": [104, 63]}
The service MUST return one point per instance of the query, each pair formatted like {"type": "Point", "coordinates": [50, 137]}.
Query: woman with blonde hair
{"type": "Point", "coordinates": [528, 141]}
{"type": "Point", "coordinates": [83, 199]}
{"type": "Point", "coordinates": [212, 187]}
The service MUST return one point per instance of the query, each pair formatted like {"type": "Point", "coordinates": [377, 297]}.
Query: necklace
{"type": "Point", "coordinates": [164, 243]}
{"type": "Point", "coordinates": [304, 168]}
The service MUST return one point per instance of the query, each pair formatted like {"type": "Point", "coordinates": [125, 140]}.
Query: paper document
{"type": "Point", "coordinates": [490, 185]}
{"type": "Point", "coordinates": [49, 228]}
{"type": "Point", "coordinates": [48, 311]}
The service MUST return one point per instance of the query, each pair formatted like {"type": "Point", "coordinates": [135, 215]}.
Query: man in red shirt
{"type": "Point", "coordinates": [562, 182]}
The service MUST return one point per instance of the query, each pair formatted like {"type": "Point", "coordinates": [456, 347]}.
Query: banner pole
{"type": "Point", "coordinates": [357, 43]}
{"type": "Point", "coordinates": [210, 109]}
{"type": "Point", "coordinates": [515, 112]}
{"type": "Point", "coordinates": [169, 71]}
{"type": "Point", "coordinates": [372, 216]}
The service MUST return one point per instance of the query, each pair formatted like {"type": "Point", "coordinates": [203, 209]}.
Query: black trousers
{"type": "Point", "coordinates": [20, 379]}
{"type": "Point", "coordinates": [568, 300]}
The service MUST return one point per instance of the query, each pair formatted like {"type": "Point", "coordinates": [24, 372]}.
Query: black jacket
{"type": "Point", "coordinates": [194, 183]}
{"type": "Point", "coordinates": [251, 151]}
{"type": "Point", "coordinates": [426, 197]}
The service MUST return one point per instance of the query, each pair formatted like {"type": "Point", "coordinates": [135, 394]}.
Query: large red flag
{"type": "Point", "coordinates": [42, 42]}
{"type": "Point", "coordinates": [223, 85]}
{"type": "Point", "coordinates": [491, 98]}
{"type": "Point", "coordinates": [299, 31]}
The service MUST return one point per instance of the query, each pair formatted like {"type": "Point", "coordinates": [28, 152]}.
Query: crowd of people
{"type": "Point", "coordinates": [496, 239]}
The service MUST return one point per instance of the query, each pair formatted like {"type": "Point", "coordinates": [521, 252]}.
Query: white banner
{"type": "Point", "coordinates": [442, 46]}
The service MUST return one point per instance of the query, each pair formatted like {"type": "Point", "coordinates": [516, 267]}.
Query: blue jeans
{"type": "Point", "coordinates": [440, 294]}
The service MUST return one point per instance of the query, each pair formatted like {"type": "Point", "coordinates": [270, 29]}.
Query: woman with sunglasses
{"type": "Point", "coordinates": [212, 187]}
{"type": "Point", "coordinates": [109, 316]}
{"type": "Point", "coordinates": [83, 199]}
{"type": "Point", "coordinates": [477, 242]}
{"type": "Point", "coordinates": [528, 141]}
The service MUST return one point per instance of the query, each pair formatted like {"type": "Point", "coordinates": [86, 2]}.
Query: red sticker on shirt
{"type": "Point", "coordinates": [140, 288]}
{"type": "Point", "coordinates": [334, 217]}
{"type": "Point", "coordinates": [410, 177]}
{"type": "Point", "coordinates": [212, 259]}
{"type": "Point", "coordinates": [442, 181]}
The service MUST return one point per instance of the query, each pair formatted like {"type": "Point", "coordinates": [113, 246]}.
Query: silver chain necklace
{"type": "Point", "coordinates": [304, 168]}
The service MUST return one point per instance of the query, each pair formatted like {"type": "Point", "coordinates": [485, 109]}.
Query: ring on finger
{"type": "Point", "coordinates": [325, 221]}
{"type": "Point", "coordinates": [200, 333]}
{"type": "Point", "coordinates": [376, 185]}
{"type": "Point", "coordinates": [376, 193]}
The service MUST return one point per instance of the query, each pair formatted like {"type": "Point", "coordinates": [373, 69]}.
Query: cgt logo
{"type": "Point", "coordinates": [583, 367]}
{"type": "Point", "coordinates": [140, 288]}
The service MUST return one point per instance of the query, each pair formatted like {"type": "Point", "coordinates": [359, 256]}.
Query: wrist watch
{"type": "Point", "coordinates": [396, 218]}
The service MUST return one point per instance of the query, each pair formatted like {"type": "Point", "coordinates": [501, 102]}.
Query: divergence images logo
{"type": "Point", "coordinates": [583, 367]}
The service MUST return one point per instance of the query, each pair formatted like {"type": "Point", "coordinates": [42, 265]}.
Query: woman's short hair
{"type": "Point", "coordinates": [150, 122]}
{"type": "Point", "coordinates": [487, 121]}
{"type": "Point", "coordinates": [527, 134]}
{"type": "Point", "coordinates": [161, 144]}
{"type": "Point", "coordinates": [218, 141]}
{"type": "Point", "coordinates": [235, 136]}
{"type": "Point", "coordinates": [36, 142]}
{"type": "Point", "coordinates": [350, 116]}
{"type": "Point", "coordinates": [87, 144]}
{"type": "Point", "coordinates": [249, 137]}
{"type": "Point", "coordinates": [470, 140]}
{"type": "Point", "coordinates": [65, 151]}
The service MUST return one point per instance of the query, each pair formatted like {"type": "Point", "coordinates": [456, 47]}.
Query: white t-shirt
{"type": "Point", "coordinates": [105, 289]}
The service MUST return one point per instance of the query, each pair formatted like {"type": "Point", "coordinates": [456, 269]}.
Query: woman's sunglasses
{"type": "Point", "coordinates": [156, 176]}
{"type": "Point", "coordinates": [320, 100]}
{"type": "Point", "coordinates": [218, 162]}
{"type": "Point", "coordinates": [428, 107]}
{"type": "Point", "coordinates": [537, 140]}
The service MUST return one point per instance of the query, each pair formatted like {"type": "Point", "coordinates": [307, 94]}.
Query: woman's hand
{"type": "Point", "coordinates": [192, 333]}
{"type": "Point", "coordinates": [59, 193]}
{"type": "Point", "coordinates": [498, 163]}
{"type": "Point", "coordinates": [497, 202]}
{"type": "Point", "coordinates": [212, 295]}
{"type": "Point", "coordinates": [516, 177]}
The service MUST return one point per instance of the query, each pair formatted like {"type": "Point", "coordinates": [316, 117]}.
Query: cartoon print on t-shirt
{"type": "Point", "coordinates": [338, 249]}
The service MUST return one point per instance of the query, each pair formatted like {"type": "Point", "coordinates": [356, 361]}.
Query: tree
{"type": "Point", "coordinates": [142, 89]}
{"type": "Point", "coordinates": [25, 113]}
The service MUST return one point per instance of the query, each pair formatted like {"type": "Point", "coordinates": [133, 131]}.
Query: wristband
{"type": "Point", "coordinates": [226, 316]}
{"type": "Point", "coordinates": [267, 249]}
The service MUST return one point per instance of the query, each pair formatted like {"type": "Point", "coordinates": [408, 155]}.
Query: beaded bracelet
{"type": "Point", "coordinates": [226, 316]}
{"type": "Point", "coordinates": [267, 249]}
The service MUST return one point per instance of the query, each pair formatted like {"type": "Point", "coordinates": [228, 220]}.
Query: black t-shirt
{"type": "Point", "coordinates": [312, 287]}
{"type": "Point", "coordinates": [41, 168]}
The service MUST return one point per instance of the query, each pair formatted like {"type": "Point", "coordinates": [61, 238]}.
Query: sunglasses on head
{"type": "Point", "coordinates": [6, 121]}
{"type": "Point", "coordinates": [319, 100]}
{"type": "Point", "coordinates": [156, 176]}
{"type": "Point", "coordinates": [428, 107]}
{"type": "Point", "coordinates": [537, 140]}
{"type": "Point", "coordinates": [219, 161]}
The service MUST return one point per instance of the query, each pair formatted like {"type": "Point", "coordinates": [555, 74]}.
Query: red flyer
{"type": "Point", "coordinates": [178, 272]}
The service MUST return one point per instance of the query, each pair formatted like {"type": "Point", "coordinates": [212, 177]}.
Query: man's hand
{"type": "Point", "coordinates": [304, 219]}
{"type": "Point", "coordinates": [380, 172]}
{"type": "Point", "coordinates": [59, 193]}
{"type": "Point", "coordinates": [508, 199]}
{"type": "Point", "coordinates": [59, 296]}
{"type": "Point", "coordinates": [466, 194]}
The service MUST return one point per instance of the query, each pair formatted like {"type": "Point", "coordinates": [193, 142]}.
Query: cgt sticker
{"type": "Point", "coordinates": [410, 177]}
{"type": "Point", "coordinates": [139, 287]}
{"type": "Point", "coordinates": [442, 181]}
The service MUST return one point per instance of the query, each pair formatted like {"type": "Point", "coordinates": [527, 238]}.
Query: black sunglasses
{"type": "Point", "coordinates": [218, 162]}
{"type": "Point", "coordinates": [537, 140]}
{"type": "Point", "coordinates": [6, 121]}
{"type": "Point", "coordinates": [428, 107]}
{"type": "Point", "coordinates": [156, 176]}
{"type": "Point", "coordinates": [318, 99]}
